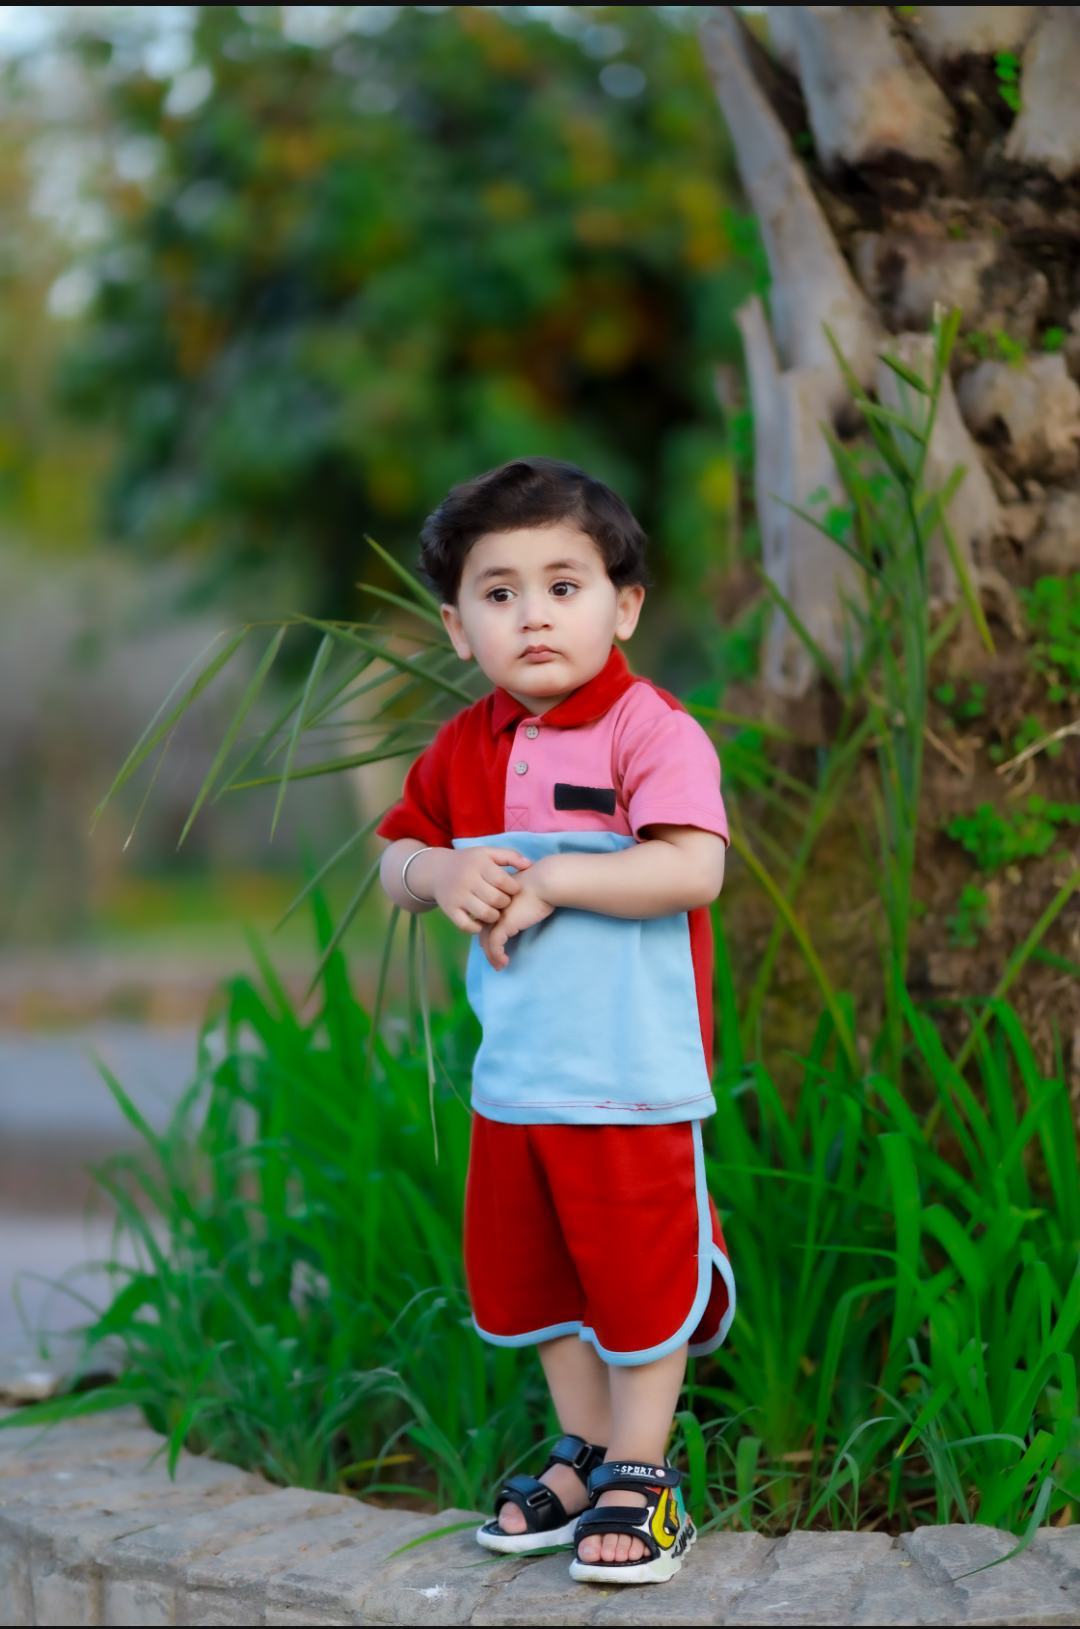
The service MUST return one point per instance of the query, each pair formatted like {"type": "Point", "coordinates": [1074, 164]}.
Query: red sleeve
{"type": "Point", "coordinates": [424, 810]}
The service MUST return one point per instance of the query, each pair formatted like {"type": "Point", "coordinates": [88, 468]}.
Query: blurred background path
{"type": "Point", "coordinates": [57, 1118]}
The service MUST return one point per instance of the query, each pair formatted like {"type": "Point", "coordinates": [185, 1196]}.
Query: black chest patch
{"type": "Point", "coordinates": [597, 799]}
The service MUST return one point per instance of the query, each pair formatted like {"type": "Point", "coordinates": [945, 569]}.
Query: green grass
{"type": "Point", "coordinates": [299, 1305]}
{"type": "Point", "coordinates": [1052, 608]}
{"type": "Point", "coordinates": [994, 840]}
{"type": "Point", "coordinates": [964, 928]}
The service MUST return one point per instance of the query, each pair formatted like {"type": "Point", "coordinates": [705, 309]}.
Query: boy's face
{"type": "Point", "coordinates": [538, 611]}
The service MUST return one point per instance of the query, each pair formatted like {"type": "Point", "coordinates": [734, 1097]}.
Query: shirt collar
{"type": "Point", "coordinates": [590, 701]}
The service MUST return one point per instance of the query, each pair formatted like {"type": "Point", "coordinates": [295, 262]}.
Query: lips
{"type": "Point", "coordinates": [540, 653]}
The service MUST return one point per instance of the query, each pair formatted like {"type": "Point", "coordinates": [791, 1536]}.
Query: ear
{"type": "Point", "coordinates": [628, 609]}
{"type": "Point", "coordinates": [452, 623]}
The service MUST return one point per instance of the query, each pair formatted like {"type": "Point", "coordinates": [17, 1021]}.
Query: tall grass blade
{"type": "Point", "coordinates": [413, 584]}
{"type": "Point", "coordinates": [335, 859]}
{"type": "Point", "coordinates": [799, 933]}
{"type": "Point", "coordinates": [250, 697]}
{"type": "Point", "coordinates": [156, 730]}
{"type": "Point", "coordinates": [425, 1018]}
{"type": "Point", "coordinates": [322, 656]}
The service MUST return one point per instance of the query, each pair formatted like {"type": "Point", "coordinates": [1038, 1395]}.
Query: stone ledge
{"type": "Point", "coordinates": [93, 1531]}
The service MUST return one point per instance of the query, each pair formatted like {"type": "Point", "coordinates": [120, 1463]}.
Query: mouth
{"type": "Point", "coordinates": [539, 653]}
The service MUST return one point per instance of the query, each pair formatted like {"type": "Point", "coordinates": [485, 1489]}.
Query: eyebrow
{"type": "Point", "coordinates": [552, 565]}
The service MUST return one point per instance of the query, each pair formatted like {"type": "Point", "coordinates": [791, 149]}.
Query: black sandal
{"type": "Point", "coordinates": [661, 1524]}
{"type": "Point", "coordinates": [546, 1520]}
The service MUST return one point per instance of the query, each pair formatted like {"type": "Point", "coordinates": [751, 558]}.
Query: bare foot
{"type": "Point", "coordinates": [614, 1546]}
{"type": "Point", "coordinates": [562, 1481]}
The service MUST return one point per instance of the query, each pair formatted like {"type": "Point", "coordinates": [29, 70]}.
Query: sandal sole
{"type": "Point", "coordinates": [516, 1543]}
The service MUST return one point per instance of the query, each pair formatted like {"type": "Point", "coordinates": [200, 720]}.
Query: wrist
{"type": "Point", "coordinates": [423, 874]}
{"type": "Point", "coordinates": [542, 878]}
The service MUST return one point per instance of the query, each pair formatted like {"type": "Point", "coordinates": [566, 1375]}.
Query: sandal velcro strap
{"type": "Point", "coordinates": [542, 1509]}
{"type": "Point", "coordinates": [581, 1456]}
{"type": "Point", "coordinates": [632, 1476]}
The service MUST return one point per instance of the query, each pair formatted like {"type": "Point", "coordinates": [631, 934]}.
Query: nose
{"type": "Point", "coordinates": [535, 610]}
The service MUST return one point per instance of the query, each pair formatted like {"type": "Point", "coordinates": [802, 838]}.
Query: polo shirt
{"type": "Point", "coordinates": [598, 1019]}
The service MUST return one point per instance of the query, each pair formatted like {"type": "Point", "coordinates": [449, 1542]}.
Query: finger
{"type": "Point", "coordinates": [461, 919]}
{"type": "Point", "coordinates": [494, 948]}
{"type": "Point", "coordinates": [481, 909]}
{"type": "Point", "coordinates": [495, 877]}
{"type": "Point", "coordinates": [508, 856]}
{"type": "Point", "coordinates": [492, 895]}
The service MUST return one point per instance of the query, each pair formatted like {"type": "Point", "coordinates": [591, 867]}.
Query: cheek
{"type": "Point", "coordinates": [490, 636]}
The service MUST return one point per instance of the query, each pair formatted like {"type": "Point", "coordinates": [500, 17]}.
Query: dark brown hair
{"type": "Point", "coordinates": [526, 493]}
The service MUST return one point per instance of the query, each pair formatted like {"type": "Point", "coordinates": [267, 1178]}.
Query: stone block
{"type": "Point", "coordinates": [343, 1587]}
{"type": "Point", "coordinates": [232, 1587]}
{"type": "Point", "coordinates": [809, 1578]}
{"type": "Point", "coordinates": [445, 1580]}
{"type": "Point", "coordinates": [141, 1573]}
{"type": "Point", "coordinates": [1018, 1591]}
{"type": "Point", "coordinates": [24, 1451]}
{"type": "Point", "coordinates": [16, 1599]}
{"type": "Point", "coordinates": [720, 1566]}
{"type": "Point", "coordinates": [542, 1592]}
{"type": "Point", "coordinates": [894, 1590]}
{"type": "Point", "coordinates": [1058, 1550]}
{"type": "Point", "coordinates": [64, 1534]}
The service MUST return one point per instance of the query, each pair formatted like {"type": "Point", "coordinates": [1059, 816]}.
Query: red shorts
{"type": "Point", "coordinates": [607, 1232]}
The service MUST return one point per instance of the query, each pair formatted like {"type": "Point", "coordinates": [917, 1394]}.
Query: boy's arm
{"type": "Point", "coordinates": [468, 884]}
{"type": "Point", "coordinates": [676, 868]}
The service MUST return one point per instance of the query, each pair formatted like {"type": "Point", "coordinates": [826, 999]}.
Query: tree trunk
{"type": "Point", "coordinates": [898, 158]}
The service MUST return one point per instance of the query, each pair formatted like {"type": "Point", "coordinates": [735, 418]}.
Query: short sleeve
{"type": "Point", "coordinates": [424, 810]}
{"type": "Point", "coordinates": [668, 769]}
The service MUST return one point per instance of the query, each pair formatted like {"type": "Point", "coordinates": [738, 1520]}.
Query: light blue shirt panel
{"type": "Point", "coordinates": [595, 1021]}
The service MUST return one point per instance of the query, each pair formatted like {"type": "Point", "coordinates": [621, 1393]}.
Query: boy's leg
{"type": "Point", "coordinates": [578, 1381]}
{"type": "Point", "coordinates": [643, 1399]}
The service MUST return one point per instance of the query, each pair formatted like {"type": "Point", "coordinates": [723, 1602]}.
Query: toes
{"type": "Point", "coordinates": [511, 1519]}
{"type": "Point", "coordinates": [611, 1547]}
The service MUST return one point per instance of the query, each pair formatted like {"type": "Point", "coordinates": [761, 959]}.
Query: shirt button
{"type": "Point", "coordinates": [531, 731]}
{"type": "Point", "coordinates": [520, 768]}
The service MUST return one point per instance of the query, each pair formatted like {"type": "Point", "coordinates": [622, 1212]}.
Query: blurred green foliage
{"type": "Point", "coordinates": [360, 269]}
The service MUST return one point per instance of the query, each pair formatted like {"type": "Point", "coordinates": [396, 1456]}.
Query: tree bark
{"type": "Point", "coordinates": [896, 162]}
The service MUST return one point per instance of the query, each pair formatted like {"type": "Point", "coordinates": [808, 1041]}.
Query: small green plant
{"type": "Point", "coordinates": [964, 702]}
{"type": "Point", "coordinates": [972, 914]}
{"type": "Point", "coordinates": [837, 520]}
{"type": "Point", "coordinates": [994, 840]}
{"type": "Point", "coordinates": [1007, 69]}
{"type": "Point", "coordinates": [1052, 609]}
{"type": "Point", "coordinates": [996, 345]}
{"type": "Point", "coordinates": [1030, 731]}
{"type": "Point", "coordinates": [1054, 339]}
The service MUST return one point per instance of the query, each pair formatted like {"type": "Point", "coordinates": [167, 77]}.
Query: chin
{"type": "Point", "coordinates": [547, 687]}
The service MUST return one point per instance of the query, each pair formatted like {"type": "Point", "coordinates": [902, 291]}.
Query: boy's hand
{"type": "Point", "coordinates": [525, 910]}
{"type": "Point", "coordinates": [469, 885]}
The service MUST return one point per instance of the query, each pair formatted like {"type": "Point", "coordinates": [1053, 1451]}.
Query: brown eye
{"type": "Point", "coordinates": [499, 596]}
{"type": "Point", "coordinates": [563, 590]}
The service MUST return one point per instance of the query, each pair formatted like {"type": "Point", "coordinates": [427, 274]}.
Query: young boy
{"type": "Point", "coordinates": [572, 821]}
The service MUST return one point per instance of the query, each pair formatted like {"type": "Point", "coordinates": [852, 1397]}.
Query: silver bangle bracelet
{"type": "Point", "coordinates": [420, 900]}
